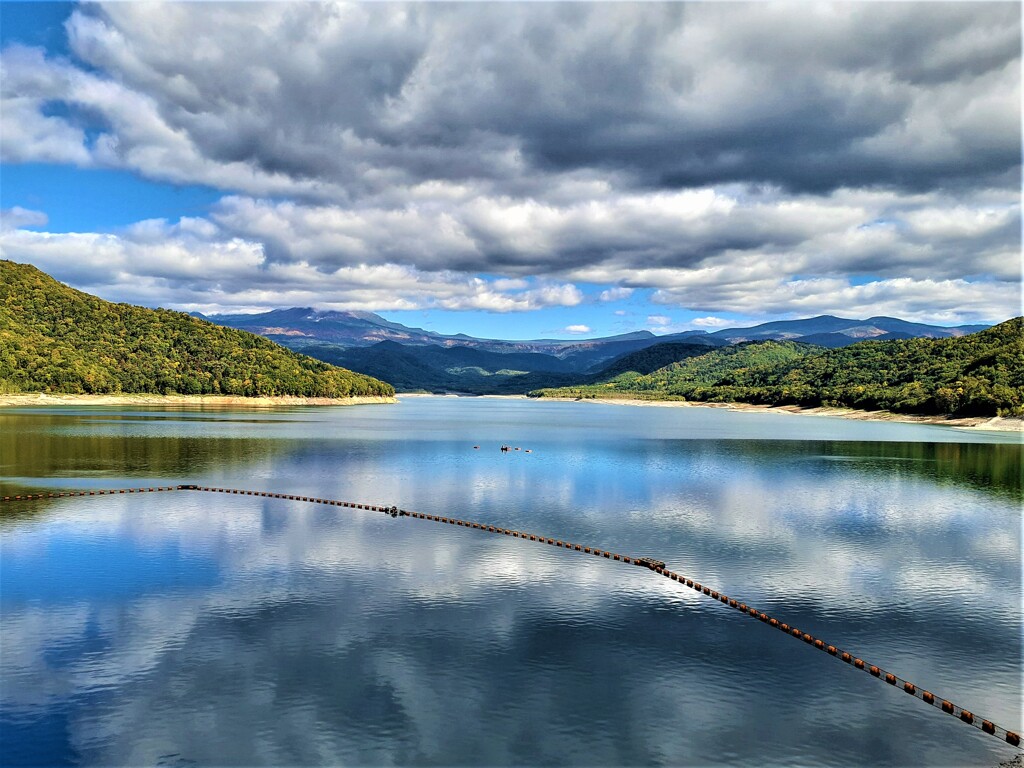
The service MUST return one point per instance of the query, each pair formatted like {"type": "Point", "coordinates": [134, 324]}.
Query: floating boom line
{"type": "Point", "coordinates": [657, 566]}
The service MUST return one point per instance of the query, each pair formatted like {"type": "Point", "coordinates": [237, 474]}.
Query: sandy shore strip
{"type": "Point", "coordinates": [33, 400]}
{"type": "Point", "coordinates": [987, 423]}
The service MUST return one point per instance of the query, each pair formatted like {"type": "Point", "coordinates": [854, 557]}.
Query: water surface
{"type": "Point", "coordinates": [193, 629]}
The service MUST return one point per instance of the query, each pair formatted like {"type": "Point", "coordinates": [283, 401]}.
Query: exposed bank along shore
{"type": "Point", "coordinates": [995, 423]}
{"type": "Point", "coordinates": [988, 423]}
{"type": "Point", "coordinates": [221, 401]}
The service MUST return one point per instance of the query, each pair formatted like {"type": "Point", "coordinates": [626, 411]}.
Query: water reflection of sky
{"type": "Point", "coordinates": [228, 630]}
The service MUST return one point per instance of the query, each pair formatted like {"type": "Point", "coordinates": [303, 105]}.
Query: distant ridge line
{"type": "Point", "coordinates": [356, 328]}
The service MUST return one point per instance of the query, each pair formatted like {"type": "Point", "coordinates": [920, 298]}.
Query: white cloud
{"type": "Point", "coordinates": [133, 135]}
{"type": "Point", "coordinates": [577, 329]}
{"type": "Point", "coordinates": [192, 265]}
{"type": "Point", "coordinates": [616, 294]}
{"type": "Point", "coordinates": [710, 322]}
{"type": "Point", "coordinates": [18, 217]}
{"type": "Point", "coordinates": [660, 320]}
{"type": "Point", "coordinates": [27, 134]}
{"type": "Point", "coordinates": [925, 300]}
{"type": "Point", "coordinates": [629, 239]}
{"type": "Point", "coordinates": [959, 221]}
{"type": "Point", "coordinates": [226, 259]}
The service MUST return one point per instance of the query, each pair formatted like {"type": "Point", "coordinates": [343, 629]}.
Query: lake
{"type": "Point", "coordinates": [188, 628]}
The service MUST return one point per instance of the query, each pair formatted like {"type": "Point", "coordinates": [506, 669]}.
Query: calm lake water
{"type": "Point", "coordinates": [190, 629]}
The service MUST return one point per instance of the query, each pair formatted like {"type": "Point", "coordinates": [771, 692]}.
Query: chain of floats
{"type": "Point", "coordinates": [657, 566]}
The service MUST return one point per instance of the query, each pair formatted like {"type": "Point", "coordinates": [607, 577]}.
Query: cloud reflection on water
{"type": "Point", "coordinates": [323, 635]}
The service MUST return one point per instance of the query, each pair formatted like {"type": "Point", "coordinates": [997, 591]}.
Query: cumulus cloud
{"type": "Point", "coordinates": [710, 322]}
{"type": "Point", "coordinates": [934, 301]}
{"type": "Point", "coordinates": [349, 99]}
{"type": "Point", "coordinates": [620, 239]}
{"type": "Point", "coordinates": [577, 329]}
{"type": "Point", "coordinates": [377, 259]}
{"type": "Point", "coordinates": [661, 320]}
{"type": "Point", "coordinates": [17, 217]}
{"type": "Point", "coordinates": [764, 158]}
{"type": "Point", "coordinates": [193, 265]}
{"type": "Point", "coordinates": [615, 294]}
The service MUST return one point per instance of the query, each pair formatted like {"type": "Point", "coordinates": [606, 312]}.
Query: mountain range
{"type": "Point", "coordinates": [302, 325]}
{"type": "Point", "coordinates": [361, 329]}
{"type": "Point", "coordinates": [414, 359]}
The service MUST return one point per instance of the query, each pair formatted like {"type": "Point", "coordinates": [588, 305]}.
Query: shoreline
{"type": "Point", "coordinates": [980, 423]}
{"type": "Point", "coordinates": [33, 399]}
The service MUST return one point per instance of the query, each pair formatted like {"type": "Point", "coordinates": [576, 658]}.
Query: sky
{"type": "Point", "coordinates": [520, 170]}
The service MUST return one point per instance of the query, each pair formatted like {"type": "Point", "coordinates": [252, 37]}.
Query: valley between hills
{"type": "Point", "coordinates": [57, 343]}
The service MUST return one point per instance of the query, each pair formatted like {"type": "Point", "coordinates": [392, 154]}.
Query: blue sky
{"type": "Point", "coordinates": [594, 169]}
{"type": "Point", "coordinates": [99, 199]}
{"type": "Point", "coordinates": [40, 24]}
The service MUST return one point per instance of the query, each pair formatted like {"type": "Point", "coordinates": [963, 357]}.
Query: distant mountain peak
{"type": "Point", "coordinates": [358, 328]}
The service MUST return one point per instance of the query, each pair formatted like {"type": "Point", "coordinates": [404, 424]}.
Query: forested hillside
{"type": "Point", "coordinates": [651, 359]}
{"type": "Point", "coordinates": [431, 368]}
{"type": "Point", "coordinates": [980, 374]}
{"type": "Point", "coordinates": [56, 339]}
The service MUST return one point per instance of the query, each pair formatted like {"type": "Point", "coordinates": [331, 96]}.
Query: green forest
{"type": "Point", "coordinates": [56, 339]}
{"type": "Point", "coordinates": [981, 374]}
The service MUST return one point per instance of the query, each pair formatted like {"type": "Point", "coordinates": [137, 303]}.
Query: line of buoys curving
{"type": "Point", "coordinates": [657, 566]}
{"type": "Point", "coordinates": [94, 492]}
